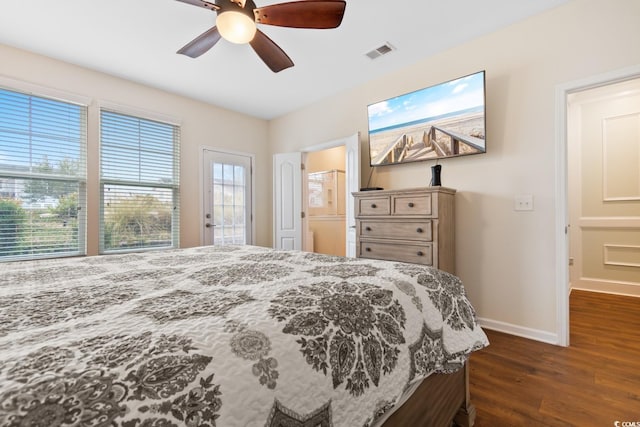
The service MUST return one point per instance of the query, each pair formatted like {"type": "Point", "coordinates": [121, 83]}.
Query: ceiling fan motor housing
{"type": "Point", "coordinates": [236, 6]}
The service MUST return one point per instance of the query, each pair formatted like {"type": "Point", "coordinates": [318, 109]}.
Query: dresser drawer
{"type": "Point", "coordinates": [374, 206]}
{"type": "Point", "coordinates": [412, 204]}
{"type": "Point", "coordinates": [411, 225]}
{"type": "Point", "coordinates": [414, 230]}
{"type": "Point", "coordinates": [418, 254]}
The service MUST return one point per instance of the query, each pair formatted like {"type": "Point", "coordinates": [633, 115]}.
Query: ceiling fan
{"type": "Point", "coordinates": [237, 21]}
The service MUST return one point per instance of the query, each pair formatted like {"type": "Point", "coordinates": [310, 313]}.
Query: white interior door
{"type": "Point", "coordinates": [227, 198]}
{"type": "Point", "coordinates": [352, 174]}
{"type": "Point", "coordinates": [287, 201]}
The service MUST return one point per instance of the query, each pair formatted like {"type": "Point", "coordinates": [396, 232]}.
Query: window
{"type": "Point", "coordinates": [42, 177]}
{"type": "Point", "coordinates": [139, 183]}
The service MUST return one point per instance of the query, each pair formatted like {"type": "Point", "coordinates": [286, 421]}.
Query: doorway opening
{"type": "Point", "coordinates": [563, 224]}
{"type": "Point", "coordinates": [603, 142]}
{"type": "Point", "coordinates": [290, 194]}
{"type": "Point", "coordinates": [324, 201]}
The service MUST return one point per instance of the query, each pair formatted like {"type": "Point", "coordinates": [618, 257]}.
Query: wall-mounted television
{"type": "Point", "coordinates": [444, 120]}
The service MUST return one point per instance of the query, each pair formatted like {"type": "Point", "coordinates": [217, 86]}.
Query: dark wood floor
{"type": "Point", "coordinates": [593, 382]}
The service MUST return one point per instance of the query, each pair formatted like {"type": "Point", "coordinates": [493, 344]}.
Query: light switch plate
{"type": "Point", "coordinates": [523, 202]}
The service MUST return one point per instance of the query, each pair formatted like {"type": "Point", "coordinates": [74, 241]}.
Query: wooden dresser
{"type": "Point", "coordinates": [413, 225]}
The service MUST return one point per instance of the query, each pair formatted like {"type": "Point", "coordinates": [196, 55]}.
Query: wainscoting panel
{"type": "Point", "coordinates": [622, 255]}
{"type": "Point", "coordinates": [621, 157]}
{"type": "Point", "coordinates": [597, 247]}
{"type": "Point", "coordinates": [610, 257]}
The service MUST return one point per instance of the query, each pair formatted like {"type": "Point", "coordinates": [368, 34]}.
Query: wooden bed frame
{"type": "Point", "coordinates": [441, 400]}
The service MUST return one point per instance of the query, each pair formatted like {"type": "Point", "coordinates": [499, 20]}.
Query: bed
{"type": "Point", "coordinates": [233, 336]}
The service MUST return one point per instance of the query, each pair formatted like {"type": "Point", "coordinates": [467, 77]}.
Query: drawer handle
{"type": "Point", "coordinates": [411, 204]}
{"type": "Point", "coordinates": [367, 249]}
{"type": "Point", "coordinates": [373, 205]}
{"type": "Point", "coordinates": [368, 228]}
{"type": "Point", "coordinates": [419, 230]}
{"type": "Point", "coordinates": [420, 253]}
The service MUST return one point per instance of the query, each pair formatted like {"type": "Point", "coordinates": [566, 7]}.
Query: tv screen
{"type": "Point", "coordinates": [439, 121]}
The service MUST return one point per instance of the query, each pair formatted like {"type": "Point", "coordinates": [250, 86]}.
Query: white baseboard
{"type": "Point", "coordinates": [521, 331]}
{"type": "Point", "coordinates": [630, 289]}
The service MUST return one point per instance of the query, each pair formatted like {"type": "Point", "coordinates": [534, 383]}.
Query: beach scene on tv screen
{"type": "Point", "coordinates": [439, 121]}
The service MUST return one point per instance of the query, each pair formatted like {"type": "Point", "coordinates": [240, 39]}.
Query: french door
{"type": "Point", "coordinates": [227, 198]}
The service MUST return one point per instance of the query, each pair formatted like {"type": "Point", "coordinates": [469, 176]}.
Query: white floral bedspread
{"type": "Point", "coordinates": [222, 336]}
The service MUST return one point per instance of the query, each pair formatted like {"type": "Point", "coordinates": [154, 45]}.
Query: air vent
{"type": "Point", "coordinates": [379, 51]}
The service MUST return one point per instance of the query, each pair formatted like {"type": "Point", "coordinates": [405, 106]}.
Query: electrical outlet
{"type": "Point", "coordinates": [524, 202]}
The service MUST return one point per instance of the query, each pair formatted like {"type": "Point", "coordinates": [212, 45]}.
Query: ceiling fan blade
{"type": "Point", "coordinates": [270, 53]}
{"type": "Point", "coordinates": [302, 14]}
{"type": "Point", "coordinates": [201, 44]}
{"type": "Point", "coordinates": [202, 3]}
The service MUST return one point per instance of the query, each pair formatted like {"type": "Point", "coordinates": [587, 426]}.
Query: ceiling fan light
{"type": "Point", "coordinates": [236, 27]}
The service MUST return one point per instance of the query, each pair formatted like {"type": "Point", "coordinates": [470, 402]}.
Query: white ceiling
{"type": "Point", "coordinates": [137, 40]}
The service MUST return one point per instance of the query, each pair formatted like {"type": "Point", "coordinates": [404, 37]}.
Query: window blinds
{"type": "Point", "coordinates": [139, 183]}
{"type": "Point", "coordinates": [42, 176]}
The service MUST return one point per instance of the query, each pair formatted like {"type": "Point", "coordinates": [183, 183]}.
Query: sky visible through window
{"type": "Point", "coordinates": [39, 135]}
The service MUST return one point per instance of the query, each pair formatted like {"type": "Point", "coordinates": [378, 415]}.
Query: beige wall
{"type": "Point", "coordinates": [506, 259]}
{"type": "Point", "coordinates": [329, 234]}
{"type": "Point", "coordinates": [201, 124]}
{"type": "Point", "coordinates": [324, 160]}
